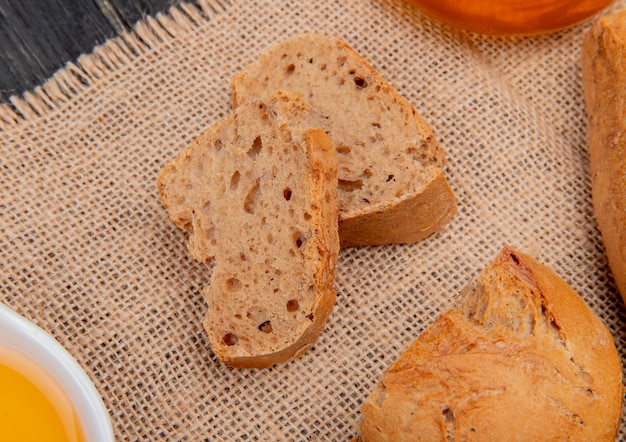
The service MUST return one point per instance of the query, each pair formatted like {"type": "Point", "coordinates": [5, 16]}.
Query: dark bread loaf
{"type": "Point", "coordinates": [391, 184]}
{"type": "Point", "coordinates": [604, 79]}
{"type": "Point", "coordinates": [521, 357]}
{"type": "Point", "coordinates": [258, 194]}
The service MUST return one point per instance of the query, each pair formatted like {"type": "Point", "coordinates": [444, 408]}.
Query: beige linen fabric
{"type": "Point", "coordinates": [88, 254]}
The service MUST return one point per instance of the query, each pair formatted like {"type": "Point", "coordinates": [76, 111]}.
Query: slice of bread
{"type": "Point", "coordinates": [391, 184]}
{"type": "Point", "coordinates": [258, 194]}
{"type": "Point", "coordinates": [521, 357]}
{"type": "Point", "coordinates": [604, 80]}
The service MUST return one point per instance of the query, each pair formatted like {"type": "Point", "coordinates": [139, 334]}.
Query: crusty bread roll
{"type": "Point", "coordinates": [391, 185]}
{"type": "Point", "coordinates": [258, 194]}
{"type": "Point", "coordinates": [604, 79]}
{"type": "Point", "coordinates": [520, 358]}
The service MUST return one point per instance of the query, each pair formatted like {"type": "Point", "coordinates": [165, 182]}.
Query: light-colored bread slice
{"type": "Point", "coordinates": [391, 184]}
{"type": "Point", "coordinates": [520, 358]}
{"type": "Point", "coordinates": [604, 79]}
{"type": "Point", "coordinates": [258, 194]}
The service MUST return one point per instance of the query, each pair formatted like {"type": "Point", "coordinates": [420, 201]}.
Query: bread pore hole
{"type": "Point", "coordinates": [360, 82]}
{"type": "Point", "coordinates": [256, 147]}
{"type": "Point", "coordinates": [350, 186]}
{"type": "Point", "coordinates": [290, 68]}
{"type": "Point", "coordinates": [230, 339]}
{"type": "Point", "coordinates": [234, 180]}
{"type": "Point", "coordinates": [342, 148]}
{"type": "Point", "coordinates": [233, 284]}
{"type": "Point", "coordinates": [256, 313]}
{"type": "Point", "coordinates": [298, 238]}
{"type": "Point", "coordinates": [287, 193]}
{"type": "Point", "coordinates": [251, 199]}
{"type": "Point", "coordinates": [293, 305]}
{"type": "Point", "coordinates": [266, 327]}
{"type": "Point", "coordinates": [206, 206]}
{"type": "Point", "coordinates": [448, 415]}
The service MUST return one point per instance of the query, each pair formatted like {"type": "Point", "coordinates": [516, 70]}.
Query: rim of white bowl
{"type": "Point", "coordinates": [27, 338]}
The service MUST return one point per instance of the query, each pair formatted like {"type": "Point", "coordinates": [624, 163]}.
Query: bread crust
{"type": "Point", "coordinates": [392, 188]}
{"type": "Point", "coordinates": [521, 357]}
{"type": "Point", "coordinates": [407, 220]}
{"type": "Point", "coordinates": [604, 79]}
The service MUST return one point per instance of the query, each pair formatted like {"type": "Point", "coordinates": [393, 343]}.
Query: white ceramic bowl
{"type": "Point", "coordinates": [19, 334]}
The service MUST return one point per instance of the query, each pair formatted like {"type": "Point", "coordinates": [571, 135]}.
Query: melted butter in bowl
{"type": "Point", "coordinates": [30, 395]}
{"type": "Point", "coordinates": [44, 393]}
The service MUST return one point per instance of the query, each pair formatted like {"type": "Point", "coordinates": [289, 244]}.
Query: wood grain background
{"type": "Point", "coordinates": [37, 37]}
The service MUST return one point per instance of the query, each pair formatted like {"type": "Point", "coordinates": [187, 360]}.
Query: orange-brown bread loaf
{"type": "Point", "coordinates": [521, 357]}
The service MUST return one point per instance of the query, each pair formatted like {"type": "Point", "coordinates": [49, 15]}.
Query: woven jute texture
{"type": "Point", "coordinates": [88, 254]}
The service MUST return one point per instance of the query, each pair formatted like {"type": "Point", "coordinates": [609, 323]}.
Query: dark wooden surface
{"type": "Point", "coordinates": [37, 37]}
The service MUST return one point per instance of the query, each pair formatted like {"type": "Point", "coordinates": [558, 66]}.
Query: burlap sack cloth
{"type": "Point", "coordinates": [88, 254]}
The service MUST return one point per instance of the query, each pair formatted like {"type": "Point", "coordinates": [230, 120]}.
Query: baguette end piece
{"type": "Point", "coordinates": [521, 356]}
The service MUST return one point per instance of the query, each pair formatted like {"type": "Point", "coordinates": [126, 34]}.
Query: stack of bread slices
{"type": "Point", "coordinates": [319, 152]}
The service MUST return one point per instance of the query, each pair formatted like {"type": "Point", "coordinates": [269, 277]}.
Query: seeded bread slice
{"type": "Point", "coordinates": [521, 357]}
{"type": "Point", "coordinates": [258, 194]}
{"type": "Point", "coordinates": [391, 185]}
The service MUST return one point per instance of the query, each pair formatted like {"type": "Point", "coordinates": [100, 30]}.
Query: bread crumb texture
{"type": "Point", "coordinates": [391, 183]}
{"type": "Point", "coordinates": [257, 193]}
{"type": "Point", "coordinates": [521, 357]}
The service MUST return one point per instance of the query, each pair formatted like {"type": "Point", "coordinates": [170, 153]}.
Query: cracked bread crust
{"type": "Point", "coordinates": [391, 184]}
{"type": "Point", "coordinates": [257, 192]}
{"type": "Point", "coordinates": [521, 357]}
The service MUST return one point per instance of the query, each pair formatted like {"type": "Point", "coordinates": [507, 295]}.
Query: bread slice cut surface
{"type": "Point", "coordinates": [392, 188]}
{"type": "Point", "coordinates": [257, 193]}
